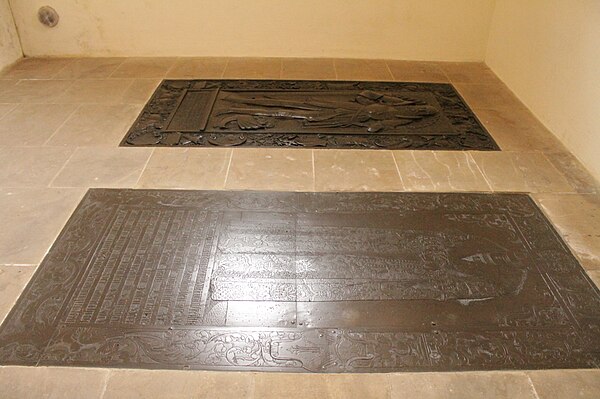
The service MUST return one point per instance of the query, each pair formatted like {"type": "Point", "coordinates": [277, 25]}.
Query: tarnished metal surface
{"type": "Point", "coordinates": [317, 282]}
{"type": "Point", "coordinates": [268, 113]}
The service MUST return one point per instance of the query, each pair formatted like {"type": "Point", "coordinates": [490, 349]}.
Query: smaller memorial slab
{"type": "Point", "coordinates": [323, 114]}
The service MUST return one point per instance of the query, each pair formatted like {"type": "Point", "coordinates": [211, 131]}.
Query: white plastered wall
{"type": "Point", "coordinates": [548, 53]}
{"type": "Point", "coordinates": [450, 30]}
{"type": "Point", "coordinates": [10, 48]}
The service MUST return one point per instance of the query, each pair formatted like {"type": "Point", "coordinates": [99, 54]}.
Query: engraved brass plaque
{"type": "Point", "coordinates": [314, 282]}
{"type": "Point", "coordinates": [308, 114]}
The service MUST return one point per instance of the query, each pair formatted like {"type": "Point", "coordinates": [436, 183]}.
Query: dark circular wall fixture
{"type": "Point", "coordinates": [48, 16]}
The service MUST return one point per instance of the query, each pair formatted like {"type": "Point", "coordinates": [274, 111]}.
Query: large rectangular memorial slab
{"type": "Point", "coordinates": [313, 282]}
{"type": "Point", "coordinates": [323, 114]}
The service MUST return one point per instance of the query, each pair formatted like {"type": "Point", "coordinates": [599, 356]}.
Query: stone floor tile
{"type": "Point", "coordinates": [439, 171]}
{"type": "Point", "coordinates": [469, 72]}
{"type": "Point", "coordinates": [12, 281]}
{"type": "Point", "coordinates": [190, 168]}
{"type": "Point", "coordinates": [34, 91]}
{"type": "Point", "coordinates": [6, 108]}
{"type": "Point", "coordinates": [97, 91]}
{"type": "Point", "coordinates": [31, 166]}
{"type": "Point", "coordinates": [577, 218]}
{"type": "Point", "coordinates": [198, 68]}
{"type": "Point", "coordinates": [145, 384]}
{"type": "Point", "coordinates": [33, 124]}
{"type": "Point", "coordinates": [488, 96]}
{"type": "Point", "coordinates": [140, 91]}
{"type": "Point", "coordinates": [490, 385]}
{"type": "Point", "coordinates": [96, 125]}
{"type": "Point", "coordinates": [517, 129]}
{"type": "Point", "coordinates": [253, 68]}
{"type": "Point", "coordinates": [31, 220]}
{"type": "Point", "coordinates": [6, 84]}
{"type": "Point", "coordinates": [347, 69]}
{"type": "Point", "coordinates": [36, 68]}
{"type": "Point", "coordinates": [270, 169]}
{"type": "Point", "coordinates": [51, 383]}
{"type": "Point", "coordinates": [307, 68]}
{"type": "Point", "coordinates": [103, 167]}
{"type": "Point", "coordinates": [90, 68]}
{"type": "Point", "coordinates": [521, 171]}
{"type": "Point", "coordinates": [356, 170]}
{"type": "Point", "coordinates": [575, 173]}
{"type": "Point", "coordinates": [566, 384]}
{"type": "Point", "coordinates": [291, 386]}
{"type": "Point", "coordinates": [595, 276]}
{"type": "Point", "coordinates": [144, 67]}
{"type": "Point", "coordinates": [358, 386]}
{"type": "Point", "coordinates": [414, 71]}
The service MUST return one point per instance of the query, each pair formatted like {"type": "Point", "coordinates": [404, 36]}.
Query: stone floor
{"type": "Point", "coordinates": [60, 124]}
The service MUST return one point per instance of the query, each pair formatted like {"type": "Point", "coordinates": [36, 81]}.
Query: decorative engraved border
{"type": "Point", "coordinates": [147, 129]}
{"type": "Point", "coordinates": [33, 333]}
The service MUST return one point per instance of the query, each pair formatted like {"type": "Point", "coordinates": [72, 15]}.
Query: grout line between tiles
{"type": "Point", "coordinates": [532, 385]}
{"type": "Point", "coordinates": [480, 171]}
{"type": "Point", "coordinates": [314, 171]}
{"type": "Point", "coordinates": [137, 182]}
{"type": "Point", "coordinates": [398, 171]}
{"type": "Point", "coordinates": [62, 124]}
{"type": "Point", "coordinates": [105, 385]}
{"type": "Point", "coordinates": [228, 168]}
{"type": "Point", "coordinates": [225, 68]}
{"type": "Point", "coordinates": [61, 169]}
{"type": "Point", "coordinates": [389, 70]}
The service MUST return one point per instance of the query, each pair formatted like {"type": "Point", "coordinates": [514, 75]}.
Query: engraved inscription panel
{"type": "Point", "coordinates": [318, 282]}
{"type": "Point", "coordinates": [325, 114]}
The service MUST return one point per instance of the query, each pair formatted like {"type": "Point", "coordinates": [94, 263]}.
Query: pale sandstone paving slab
{"type": "Point", "coordinates": [143, 67]}
{"type": "Point", "coordinates": [32, 218]}
{"type": "Point", "coordinates": [6, 108]}
{"type": "Point", "coordinates": [253, 68]}
{"type": "Point", "coordinates": [31, 166]}
{"type": "Point", "coordinates": [411, 71]}
{"type": "Point", "coordinates": [95, 125]}
{"type": "Point", "coordinates": [362, 70]}
{"type": "Point", "coordinates": [34, 91]}
{"type": "Point", "coordinates": [89, 68]}
{"type": "Point", "coordinates": [51, 382]}
{"type": "Point", "coordinates": [307, 68]}
{"type": "Point", "coordinates": [575, 173]}
{"type": "Point", "coordinates": [270, 169]}
{"type": "Point", "coordinates": [496, 385]}
{"type": "Point", "coordinates": [555, 384]}
{"type": "Point", "coordinates": [95, 91]}
{"type": "Point", "coordinates": [132, 384]}
{"type": "Point", "coordinates": [33, 124]}
{"type": "Point", "coordinates": [196, 168]}
{"type": "Point", "coordinates": [103, 167]}
{"type": "Point", "coordinates": [439, 171]}
{"type": "Point", "coordinates": [517, 129]}
{"type": "Point", "coordinates": [577, 217]}
{"type": "Point", "coordinates": [353, 170]}
{"type": "Point", "coordinates": [36, 68]}
{"type": "Point", "coordinates": [469, 72]}
{"type": "Point", "coordinates": [198, 68]}
{"type": "Point", "coordinates": [12, 281]}
{"type": "Point", "coordinates": [521, 171]}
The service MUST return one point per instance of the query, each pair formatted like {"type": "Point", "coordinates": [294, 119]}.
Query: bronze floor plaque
{"type": "Point", "coordinates": [324, 114]}
{"type": "Point", "coordinates": [317, 282]}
